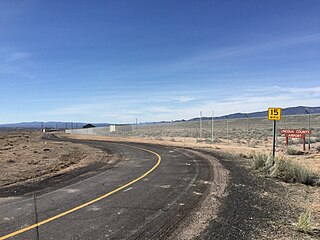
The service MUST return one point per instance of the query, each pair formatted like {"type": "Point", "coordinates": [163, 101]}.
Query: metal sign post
{"type": "Point", "coordinates": [274, 138]}
{"type": "Point", "coordinates": [274, 114]}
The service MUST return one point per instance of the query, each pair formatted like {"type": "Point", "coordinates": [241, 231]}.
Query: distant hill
{"type": "Point", "coordinates": [53, 125]}
{"type": "Point", "coordinates": [62, 125]}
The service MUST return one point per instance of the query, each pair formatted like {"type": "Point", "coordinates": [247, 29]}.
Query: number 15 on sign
{"type": "Point", "coordinates": [274, 114]}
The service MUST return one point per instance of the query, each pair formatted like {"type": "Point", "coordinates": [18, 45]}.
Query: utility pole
{"type": "Point", "coordinates": [309, 128]}
{"type": "Point", "coordinates": [212, 126]}
{"type": "Point", "coordinates": [200, 125]}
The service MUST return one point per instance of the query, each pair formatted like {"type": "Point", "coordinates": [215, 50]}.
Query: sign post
{"type": "Point", "coordinates": [274, 138]}
{"type": "Point", "coordinates": [274, 114]}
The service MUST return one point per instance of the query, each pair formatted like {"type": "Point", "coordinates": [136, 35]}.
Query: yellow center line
{"type": "Point", "coordinates": [90, 202]}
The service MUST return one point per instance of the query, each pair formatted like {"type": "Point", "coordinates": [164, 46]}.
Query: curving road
{"type": "Point", "coordinates": [145, 195]}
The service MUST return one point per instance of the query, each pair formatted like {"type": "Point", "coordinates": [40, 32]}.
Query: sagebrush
{"type": "Point", "coordinates": [304, 223]}
{"type": "Point", "coordinates": [284, 169]}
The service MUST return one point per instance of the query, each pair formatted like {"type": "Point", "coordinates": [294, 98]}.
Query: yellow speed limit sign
{"type": "Point", "coordinates": [274, 114]}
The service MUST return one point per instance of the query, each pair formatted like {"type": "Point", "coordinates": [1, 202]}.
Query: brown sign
{"type": "Point", "coordinates": [295, 135]}
{"type": "Point", "coordinates": [294, 131]}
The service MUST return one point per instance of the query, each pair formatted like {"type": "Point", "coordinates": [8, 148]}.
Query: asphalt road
{"type": "Point", "coordinates": [144, 195]}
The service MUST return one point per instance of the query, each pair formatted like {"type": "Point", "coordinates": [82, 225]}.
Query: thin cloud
{"type": "Point", "coordinates": [16, 63]}
{"type": "Point", "coordinates": [245, 49]}
{"type": "Point", "coordinates": [313, 90]}
{"type": "Point", "coordinates": [17, 56]}
{"type": "Point", "coordinates": [150, 110]}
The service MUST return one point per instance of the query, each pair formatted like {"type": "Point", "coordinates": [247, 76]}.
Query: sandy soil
{"type": "Point", "coordinates": [25, 156]}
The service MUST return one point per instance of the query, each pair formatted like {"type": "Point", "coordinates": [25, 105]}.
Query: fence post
{"type": "Point", "coordinates": [212, 126]}
{"type": "Point", "coordinates": [196, 134]}
{"type": "Point", "coordinates": [227, 129]}
{"type": "Point", "coordinates": [200, 125]}
{"type": "Point", "coordinates": [247, 129]}
{"type": "Point", "coordinates": [309, 128]}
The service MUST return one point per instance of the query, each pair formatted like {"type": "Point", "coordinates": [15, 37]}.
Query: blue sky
{"type": "Point", "coordinates": [115, 61]}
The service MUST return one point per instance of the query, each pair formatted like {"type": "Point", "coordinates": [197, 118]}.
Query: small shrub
{"type": "Point", "coordinates": [253, 144]}
{"type": "Point", "coordinates": [33, 162]}
{"type": "Point", "coordinates": [311, 140]}
{"type": "Point", "coordinates": [289, 171]}
{"type": "Point", "coordinates": [247, 155]}
{"type": "Point", "coordinates": [283, 169]}
{"type": "Point", "coordinates": [243, 155]}
{"type": "Point", "coordinates": [262, 161]}
{"type": "Point", "coordinates": [304, 223]}
{"type": "Point", "coordinates": [293, 151]}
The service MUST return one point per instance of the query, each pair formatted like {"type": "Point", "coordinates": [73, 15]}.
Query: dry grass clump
{"type": "Point", "coordinates": [253, 144]}
{"type": "Point", "coordinates": [304, 223]}
{"type": "Point", "coordinates": [290, 171]}
{"type": "Point", "coordinates": [260, 160]}
{"type": "Point", "coordinates": [284, 169]}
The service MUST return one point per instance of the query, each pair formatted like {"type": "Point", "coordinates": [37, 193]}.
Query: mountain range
{"type": "Point", "coordinates": [62, 125]}
{"type": "Point", "coordinates": [53, 125]}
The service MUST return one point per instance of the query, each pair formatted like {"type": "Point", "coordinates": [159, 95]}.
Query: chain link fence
{"type": "Point", "coordinates": [243, 131]}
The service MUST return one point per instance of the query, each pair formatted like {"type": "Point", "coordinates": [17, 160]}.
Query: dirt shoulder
{"type": "Point", "coordinates": [26, 157]}
{"type": "Point", "coordinates": [259, 207]}
{"type": "Point", "coordinates": [256, 206]}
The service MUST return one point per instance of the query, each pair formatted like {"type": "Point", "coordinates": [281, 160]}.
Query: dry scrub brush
{"type": "Point", "coordinates": [304, 223]}
{"type": "Point", "coordinates": [284, 169]}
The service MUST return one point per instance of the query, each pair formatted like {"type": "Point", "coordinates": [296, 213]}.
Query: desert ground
{"type": "Point", "coordinates": [25, 156]}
